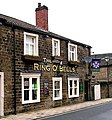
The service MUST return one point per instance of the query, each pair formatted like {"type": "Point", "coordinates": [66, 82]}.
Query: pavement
{"type": "Point", "coordinates": [42, 114]}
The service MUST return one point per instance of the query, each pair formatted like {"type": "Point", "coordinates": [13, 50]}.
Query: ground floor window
{"type": "Point", "coordinates": [57, 88]}
{"type": "Point", "coordinates": [73, 87]}
{"type": "Point", "coordinates": [30, 88]}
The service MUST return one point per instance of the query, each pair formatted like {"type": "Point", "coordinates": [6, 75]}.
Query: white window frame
{"type": "Point", "coordinates": [30, 76]}
{"type": "Point", "coordinates": [60, 80]}
{"type": "Point", "coordinates": [75, 52]}
{"type": "Point", "coordinates": [53, 47]}
{"type": "Point", "coordinates": [36, 50]}
{"type": "Point", "coordinates": [73, 79]}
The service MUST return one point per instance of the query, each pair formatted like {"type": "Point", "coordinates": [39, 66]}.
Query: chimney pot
{"type": "Point", "coordinates": [39, 5]}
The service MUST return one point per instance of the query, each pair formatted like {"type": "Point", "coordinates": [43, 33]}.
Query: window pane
{"type": "Point", "coordinates": [34, 94]}
{"type": "Point", "coordinates": [30, 39]}
{"type": "Point", "coordinates": [57, 84]}
{"type": "Point", "coordinates": [33, 40]}
{"type": "Point", "coordinates": [26, 94]}
{"type": "Point", "coordinates": [55, 48]}
{"type": "Point", "coordinates": [72, 56]}
{"type": "Point", "coordinates": [70, 83]}
{"type": "Point", "coordinates": [34, 83]}
{"type": "Point", "coordinates": [26, 83]}
{"type": "Point", "coordinates": [27, 38]}
{"type": "Point", "coordinates": [27, 49]}
{"type": "Point", "coordinates": [32, 49]}
{"type": "Point", "coordinates": [71, 91]}
{"type": "Point", "coordinates": [56, 44]}
{"type": "Point", "coordinates": [57, 93]}
{"type": "Point", "coordinates": [75, 91]}
{"type": "Point", "coordinates": [75, 83]}
{"type": "Point", "coordinates": [71, 48]}
{"type": "Point", "coordinates": [55, 52]}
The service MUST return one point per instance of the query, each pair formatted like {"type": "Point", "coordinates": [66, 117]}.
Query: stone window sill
{"type": "Point", "coordinates": [57, 58]}
{"type": "Point", "coordinates": [32, 58]}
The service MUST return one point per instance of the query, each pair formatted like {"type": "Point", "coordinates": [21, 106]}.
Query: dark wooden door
{"type": "Point", "coordinates": [86, 90]}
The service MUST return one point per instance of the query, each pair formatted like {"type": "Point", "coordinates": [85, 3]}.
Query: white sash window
{"type": "Point", "coordinates": [73, 87]}
{"type": "Point", "coordinates": [57, 88]}
{"type": "Point", "coordinates": [30, 44]}
{"type": "Point", "coordinates": [55, 47]}
{"type": "Point", "coordinates": [72, 52]}
{"type": "Point", "coordinates": [30, 88]}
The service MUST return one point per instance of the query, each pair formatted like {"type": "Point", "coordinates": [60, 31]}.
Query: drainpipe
{"type": "Point", "coordinates": [90, 73]}
{"type": "Point", "coordinates": [14, 63]}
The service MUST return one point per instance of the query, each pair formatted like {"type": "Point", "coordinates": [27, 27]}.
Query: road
{"type": "Point", "coordinates": [99, 112]}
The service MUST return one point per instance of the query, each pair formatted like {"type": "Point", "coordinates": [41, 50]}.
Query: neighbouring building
{"type": "Point", "coordinates": [39, 69]}
{"type": "Point", "coordinates": [103, 78]}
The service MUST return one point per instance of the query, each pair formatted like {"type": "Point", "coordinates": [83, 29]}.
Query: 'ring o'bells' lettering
{"type": "Point", "coordinates": [54, 68]}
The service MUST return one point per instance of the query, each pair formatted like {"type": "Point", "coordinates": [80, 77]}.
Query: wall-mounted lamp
{"type": "Point", "coordinates": [107, 59]}
{"type": "Point", "coordinates": [45, 61]}
{"type": "Point", "coordinates": [61, 63]}
{"type": "Point", "coordinates": [45, 36]}
{"type": "Point", "coordinates": [92, 52]}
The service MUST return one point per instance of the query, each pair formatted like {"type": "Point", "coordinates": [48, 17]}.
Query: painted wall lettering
{"type": "Point", "coordinates": [54, 68]}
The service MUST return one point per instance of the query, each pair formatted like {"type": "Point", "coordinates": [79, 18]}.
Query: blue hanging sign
{"type": "Point", "coordinates": [95, 65]}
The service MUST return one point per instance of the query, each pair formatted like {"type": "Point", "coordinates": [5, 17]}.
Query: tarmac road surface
{"type": "Point", "coordinates": [98, 112]}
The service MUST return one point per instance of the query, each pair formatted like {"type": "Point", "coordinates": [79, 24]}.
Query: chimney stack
{"type": "Point", "coordinates": [42, 17]}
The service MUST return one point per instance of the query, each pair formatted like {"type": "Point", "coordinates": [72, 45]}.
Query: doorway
{"type": "Point", "coordinates": [1, 94]}
{"type": "Point", "coordinates": [97, 94]}
{"type": "Point", "coordinates": [86, 84]}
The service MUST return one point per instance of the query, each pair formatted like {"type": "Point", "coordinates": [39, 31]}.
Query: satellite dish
{"type": "Point", "coordinates": [87, 59]}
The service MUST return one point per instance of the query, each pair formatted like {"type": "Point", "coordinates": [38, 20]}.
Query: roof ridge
{"type": "Point", "coordinates": [28, 26]}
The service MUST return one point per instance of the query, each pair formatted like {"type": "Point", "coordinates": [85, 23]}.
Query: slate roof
{"type": "Point", "coordinates": [103, 57]}
{"type": "Point", "coordinates": [18, 23]}
{"type": "Point", "coordinates": [29, 27]}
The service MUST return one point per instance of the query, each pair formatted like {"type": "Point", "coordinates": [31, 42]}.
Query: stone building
{"type": "Point", "coordinates": [104, 76]}
{"type": "Point", "coordinates": [38, 68]}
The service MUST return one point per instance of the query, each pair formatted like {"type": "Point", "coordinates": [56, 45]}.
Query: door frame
{"type": "Point", "coordinates": [1, 93]}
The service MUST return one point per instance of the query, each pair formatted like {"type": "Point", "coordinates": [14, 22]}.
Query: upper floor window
{"type": "Point", "coordinates": [30, 44]}
{"type": "Point", "coordinates": [72, 52]}
{"type": "Point", "coordinates": [55, 47]}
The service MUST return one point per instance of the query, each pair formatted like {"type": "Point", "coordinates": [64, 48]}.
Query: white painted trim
{"type": "Point", "coordinates": [53, 39]}
{"type": "Point", "coordinates": [1, 93]}
{"type": "Point", "coordinates": [60, 80]}
{"type": "Point", "coordinates": [69, 51]}
{"type": "Point", "coordinates": [36, 52]}
{"type": "Point", "coordinates": [74, 79]}
{"type": "Point", "coordinates": [30, 76]}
